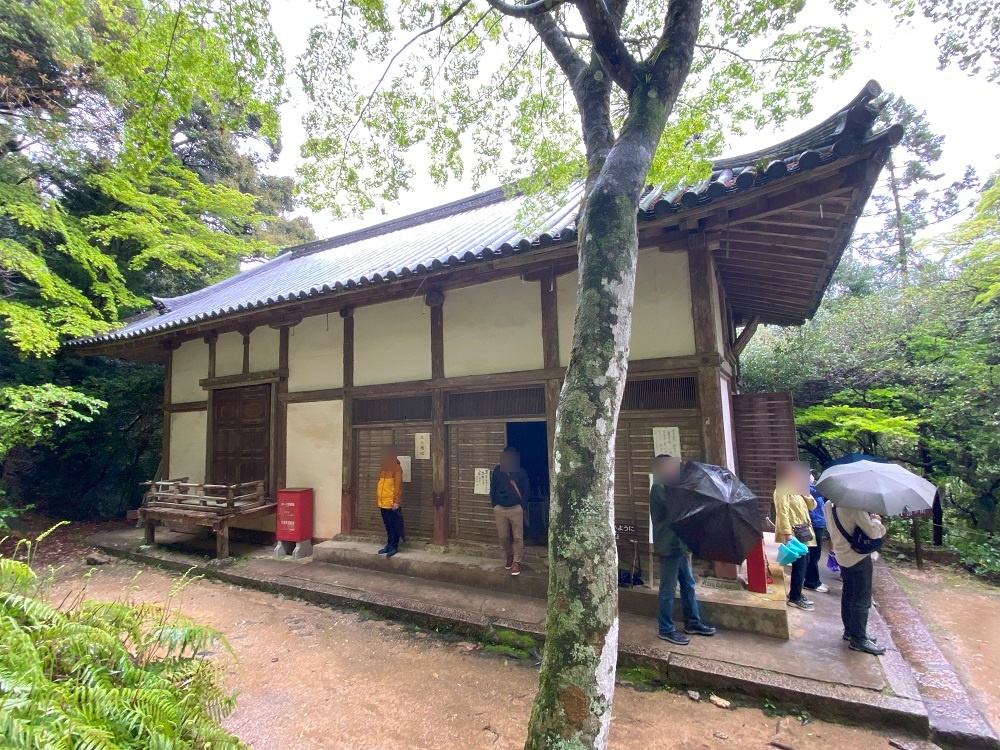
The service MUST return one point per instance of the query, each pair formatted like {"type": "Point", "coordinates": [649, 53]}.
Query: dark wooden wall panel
{"type": "Point", "coordinates": [765, 435]}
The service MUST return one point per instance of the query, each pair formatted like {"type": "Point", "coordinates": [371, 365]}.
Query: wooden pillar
{"type": "Point", "coordinates": [706, 340]}
{"type": "Point", "coordinates": [281, 419]}
{"type": "Point", "coordinates": [550, 359]}
{"type": "Point", "coordinates": [168, 376]}
{"type": "Point", "coordinates": [210, 339]}
{"type": "Point", "coordinates": [246, 349]}
{"type": "Point", "coordinates": [347, 470]}
{"type": "Point", "coordinates": [439, 447]}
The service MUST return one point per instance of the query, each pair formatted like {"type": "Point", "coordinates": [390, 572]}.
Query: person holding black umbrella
{"type": "Point", "coordinates": [674, 563]}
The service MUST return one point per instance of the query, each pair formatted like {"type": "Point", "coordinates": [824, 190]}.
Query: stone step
{"type": "Point", "coordinates": [733, 610]}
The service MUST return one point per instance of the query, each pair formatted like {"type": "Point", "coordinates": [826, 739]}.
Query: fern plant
{"type": "Point", "coordinates": [104, 675]}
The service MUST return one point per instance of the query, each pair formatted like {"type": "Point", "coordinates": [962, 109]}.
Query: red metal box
{"type": "Point", "coordinates": [295, 514]}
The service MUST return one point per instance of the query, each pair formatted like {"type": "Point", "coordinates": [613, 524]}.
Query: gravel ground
{"type": "Point", "coordinates": [312, 677]}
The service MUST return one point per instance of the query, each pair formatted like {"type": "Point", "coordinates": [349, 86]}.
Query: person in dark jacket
{"type": "Point", "coordinates": [818, 521]}
{"type": "Point", "coordinates": [508, 493]}
{"type": "Point", "coordinates": [675, 565]}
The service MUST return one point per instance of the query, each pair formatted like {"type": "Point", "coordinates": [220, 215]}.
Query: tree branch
{"type": "Point", "coordinates": [748, 60]}
{"type": "Point", "coordinates": [423, 32]}
{"type": "Point", "coordinates": [605, 36]}
{"type": "Point", "coordinates": [671, 58]}
{"type": "Point", "coordinates": [571, 64]}
{"type": "Point", "coordinates": [528, 10]}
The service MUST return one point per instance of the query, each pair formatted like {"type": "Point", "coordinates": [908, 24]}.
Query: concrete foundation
{"type": "Point", "coordinates": [728, 608]}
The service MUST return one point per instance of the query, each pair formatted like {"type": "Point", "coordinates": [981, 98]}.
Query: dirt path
{"type": "Point", "coordinates": [309, 677]}
{"type": "Point", "coordinates": [964, 615]}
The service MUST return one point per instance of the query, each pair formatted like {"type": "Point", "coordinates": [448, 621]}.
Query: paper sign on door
{"type": "Point", "coordinates": [404, 462]}
{"type": "Point", "coordinates": [482, 486]}
{"type": "Point", "coordinates": [667, 441]}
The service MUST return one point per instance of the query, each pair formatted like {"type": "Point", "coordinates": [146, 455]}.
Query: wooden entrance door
{"type": "Point", "coordinates": [418, 498]}
{"type": "Point", "coordinates": [473, 445]}
{"type": "Point", "coordinates": [241, 435]}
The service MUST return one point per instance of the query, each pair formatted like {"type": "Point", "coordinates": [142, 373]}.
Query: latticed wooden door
{"type": "Point", "coordinates": [241, 435]}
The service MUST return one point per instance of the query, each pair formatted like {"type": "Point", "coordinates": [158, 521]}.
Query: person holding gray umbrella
{"type": "Point", "coordinates": [857, 494]}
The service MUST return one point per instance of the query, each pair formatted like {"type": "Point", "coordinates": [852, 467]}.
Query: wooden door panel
{"type": "Point", "coordinates": [418, 500]}
{"type": "Point", "coordinates": [764, 424]}
{"type": "Point", "coordinates": [241, 425]}
{"type": "Point", "coordinates": [473, 445]}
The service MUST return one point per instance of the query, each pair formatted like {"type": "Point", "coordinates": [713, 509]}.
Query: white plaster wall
{"type": "Point", "coordinates": [189, 365]}
{"type": "Point", "coordinates": [315, 459]}
{"type": "Point", "coordinates": [661, 316]}
{"type": "Point", "coordinates": [727, 423]}
{"type": "Point", "coordinates": [392, 342]}
{"type": "Point", "coordinates": [188, 440]}
{"type": "Point", "coordinates": [264, 342]}
{"type": "Point", "coordinates": [494, 327]}
{"type": "Point", "coordinates": [229, 354]}
{"type": "Point", "coordinates": [315, 354]}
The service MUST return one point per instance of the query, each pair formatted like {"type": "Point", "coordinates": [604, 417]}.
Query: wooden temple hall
{"type": "Point", "coordinates": [446, 333]}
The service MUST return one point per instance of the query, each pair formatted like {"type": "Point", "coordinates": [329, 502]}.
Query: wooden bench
{"type": "Point", "coordinates": [216, 506]}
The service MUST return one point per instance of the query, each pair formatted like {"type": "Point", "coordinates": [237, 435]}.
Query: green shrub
{"type": "Point", "coordinates": [96, 675]}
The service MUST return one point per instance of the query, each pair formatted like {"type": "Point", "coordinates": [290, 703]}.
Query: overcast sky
{"type": "Point", "coordinates": [903, 60]}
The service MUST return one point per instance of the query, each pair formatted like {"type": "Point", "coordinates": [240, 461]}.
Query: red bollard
{"type": "Point", "coordinates": [757, 570]}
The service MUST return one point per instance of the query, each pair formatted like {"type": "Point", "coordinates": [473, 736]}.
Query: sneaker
{"type": "Point", "coordinates": [391, 551]}
{"type": "Point", "coordinates": [510, 562]}
{"type": "Point", "coordinates": [676, 638]}
{"type": "Point", "coordinates": [847, 638]}
{"type": "Point", "coordinates": [699, 628]}
{"type": "Point", "coordinates": [384, 550]}
{"type": "Point", "coordinates": [804, 604]}
{"type": "Point", "coordinates": [868, 646]}
{"type": "Point", "coordinates": [806, 601]}
{"type": "Point", "coordinates": [821, 589]}
{"type": "Point", "coordinates": [515, 569]}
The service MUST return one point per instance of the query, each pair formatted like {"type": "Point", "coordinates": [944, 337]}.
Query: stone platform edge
{"type": "Point", "coordinates": [956, 722]}
{"type": "Point", "coordinates": [823, 700]}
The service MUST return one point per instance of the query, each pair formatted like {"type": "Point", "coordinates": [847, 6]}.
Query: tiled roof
{"type": "Point", "coordinates": [482, 227]}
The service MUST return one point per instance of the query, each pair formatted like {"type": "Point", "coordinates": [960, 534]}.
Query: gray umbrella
{"type": "Point", "coordinates": [886, 489]}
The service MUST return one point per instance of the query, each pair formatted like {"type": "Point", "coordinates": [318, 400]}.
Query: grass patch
{"type": "Point", "coordinates": [642, 678]}
{"type": "Point", "coordinates": [513, 639]}
{"type": "Point", "coordinates": [502, 649]}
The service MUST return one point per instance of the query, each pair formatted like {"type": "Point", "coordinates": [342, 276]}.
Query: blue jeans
{"type": "Point", "coordinates": [674, 568]}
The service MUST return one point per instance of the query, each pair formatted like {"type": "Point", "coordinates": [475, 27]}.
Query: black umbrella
{"type": "Point", "coordinates": [714, 513]}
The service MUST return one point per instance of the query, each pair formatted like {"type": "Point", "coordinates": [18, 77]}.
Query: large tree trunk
{"type": "Point", "coordinates": [577, 680]}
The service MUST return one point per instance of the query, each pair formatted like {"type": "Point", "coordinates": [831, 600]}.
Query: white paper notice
{"type": "Point", "coordinates": [422, 445]}
{"type": "Point", "coordinates": [482, 486]}
{"type": "Point", "coordinates": [667, 440]}
{"type": "Point", "coordinates": [404, 462]}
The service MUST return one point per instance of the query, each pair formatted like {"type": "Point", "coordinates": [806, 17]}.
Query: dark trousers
{"type": "Point", "coordinates": [674, 569]}
{"type": "Point", "coordinates": [798, 577]}
{"type": "Point", "coordinates": [812, 561]}
{"type": "Point", "coordinates": [856, 599]}
{"type": "Point", "coordinates": [393, 520]}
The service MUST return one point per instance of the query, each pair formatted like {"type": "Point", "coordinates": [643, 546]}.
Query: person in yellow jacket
{"type": "Point", "coordinates": [792, 503]}
{"type": "Point", "coordinates": [388, 495]}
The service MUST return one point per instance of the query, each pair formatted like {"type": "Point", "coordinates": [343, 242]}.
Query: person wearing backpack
{"type": "Point", "coordinates": [854, 536]}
